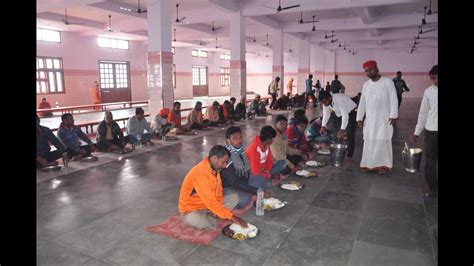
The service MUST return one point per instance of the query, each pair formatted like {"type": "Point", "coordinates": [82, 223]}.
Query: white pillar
{"type": "Point", "coordinates": [278, 68]}
{"type": "Point", "coordinates": [303, 64]}
{"type": "Point", "coordinates": [238, 67]}
{"type": "Point", "coordinates": [160, 58]}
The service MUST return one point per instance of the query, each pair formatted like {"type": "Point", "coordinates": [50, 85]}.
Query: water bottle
{"type": "Point", "coordinates": [139, 139]}
{"type": "Point", "coordinates": [260, 208]}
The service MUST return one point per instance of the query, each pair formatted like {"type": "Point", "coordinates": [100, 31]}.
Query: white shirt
{"type": "Point", "coordinates": [342, 106]}
{"type": "Point", "coordinates": [428, 116]}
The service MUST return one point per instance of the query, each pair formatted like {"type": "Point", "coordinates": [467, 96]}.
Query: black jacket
{"type": "Point", "coordinates": [102, 131]}
{"type": "Point", "coordinates": [230, 179]}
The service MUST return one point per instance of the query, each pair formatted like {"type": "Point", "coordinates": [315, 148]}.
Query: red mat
{"type": "Point", "coordinates": [175, 228]}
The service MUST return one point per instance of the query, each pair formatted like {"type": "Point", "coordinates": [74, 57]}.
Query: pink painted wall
{"type": "Point", "coordinates": [415, 68]}
{"type": "Point", "coordinates": [81, 67]}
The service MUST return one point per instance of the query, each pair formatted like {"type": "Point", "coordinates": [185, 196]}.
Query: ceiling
{"type": "Point", "coordinates": [362, 24]}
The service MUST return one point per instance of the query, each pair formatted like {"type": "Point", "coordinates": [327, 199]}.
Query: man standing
{"type": "Point", "coordinates": [272, 90]}
{"type": "Point", "coordinates": [96, 95]}
{"type": "Point", "coordinates": [401, 87]}
{"type": "Point", "coordinates": [336, 85]}
{"type": "Point", "coordinates": [201, 193]}
{"type": "Point", "coordinates": [428, 120]}
{"type": "Point", "coordinates": [344, 106]}
{"type": "Point", "coordinates": [378, 103]}
{"type": "Point", "coordinates": [290, 86]}
{"type": "Point", "coordinates": [309, 91]}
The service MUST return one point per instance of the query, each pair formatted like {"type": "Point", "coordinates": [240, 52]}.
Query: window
{"type": "Point", "coordinates": [112, 43]}
{"type": "Point", "coordinates": [174, 76]}
{"type": "Point", "coordinates": [225, 76]}
{"type": "Point", "coordinates": [113, 74]}
{"type": "Point", "coordinates": [225, 57]}
{"type": "Point", "coordinates": [47, 35]}
{"type": "Point", "coordinates": [199, 75]}
{"type": "Point", "coordinates": [49, 75]}
{"type": "Point", "coordinates": [199, 53]}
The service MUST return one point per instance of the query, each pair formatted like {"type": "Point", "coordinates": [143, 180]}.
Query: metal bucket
{"type": "Point", "coordinates": [338, 153]}
{"type": "Point", "coordinates": [412, 159]}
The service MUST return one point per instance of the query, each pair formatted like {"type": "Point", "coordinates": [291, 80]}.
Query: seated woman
{"type": "Point", "coordinates": [161, 126]}
{"type": "Point", "coordinates": [212, 114]}
{"type": "Point", "coordinates": [109, 134]}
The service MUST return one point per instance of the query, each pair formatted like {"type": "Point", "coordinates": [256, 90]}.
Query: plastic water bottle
{"type": "Point", "coordinates": [139, 139]}
{"type": "Point", "coordinates": [260, 210]}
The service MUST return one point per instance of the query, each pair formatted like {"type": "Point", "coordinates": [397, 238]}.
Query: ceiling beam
{"type": "Point", "coordinates": [45, 6]}
{"type": "Point", "coordinates": [59, 18]}
{"type": "Point", "coordinates": [364, 36]}
{"type": "Point", "coordinates": [255, 8]}
{"type": "Point", "coordinates": [365, 14]}
{"type": "Point", "coordinates": [395, 21]}
{"type": "Point", "coordinates": [225, 5]}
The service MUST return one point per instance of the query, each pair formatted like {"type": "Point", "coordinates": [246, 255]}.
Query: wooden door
{"type": "Point", "coordinates": [114, 81]}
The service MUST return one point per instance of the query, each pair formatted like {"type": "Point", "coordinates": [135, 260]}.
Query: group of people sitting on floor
{"type": "Point", "coordinates": [110, 137]}
{"type": "Point", "coordinates": [231, 175]}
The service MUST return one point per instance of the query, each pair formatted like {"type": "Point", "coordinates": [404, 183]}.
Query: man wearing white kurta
{"type": "Point", "coordinates": [379, 104]}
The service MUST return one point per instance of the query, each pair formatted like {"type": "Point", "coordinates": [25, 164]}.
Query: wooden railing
{"type": "Point", "coordinates": [89, 126]}
{"type": "Point", "coordinates": [93, 107]}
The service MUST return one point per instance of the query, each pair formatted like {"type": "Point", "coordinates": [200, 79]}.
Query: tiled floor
{"type": "Point", "coordinates": [97, 213]}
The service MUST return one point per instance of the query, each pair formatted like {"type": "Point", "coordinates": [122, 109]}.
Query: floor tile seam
{"type": "Point", "coordinates": [364, 212]}
{"type": "Point", "coordinates": [80, 251]}
{"type": "Point", "coordinates": [285, 236]}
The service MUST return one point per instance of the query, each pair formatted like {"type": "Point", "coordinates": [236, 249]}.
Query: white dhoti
{"type": "Point", "coordinates": [377, 153]}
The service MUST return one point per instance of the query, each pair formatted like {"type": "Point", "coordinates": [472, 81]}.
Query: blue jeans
{"type": "Point", "coordinates": [244, 197]}
{"type": "Point", "coordinates": [259, 181]}
{"type": "Point", "coordinates": [145, 138]}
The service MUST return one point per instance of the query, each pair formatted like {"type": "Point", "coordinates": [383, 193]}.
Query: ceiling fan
{"type": "Point", "coordinates": [314, 27]}
{"type": "Point", "coordinates": [214, 28]}
{"type": "Point", "coordinates": [139, 10]}
{"type": "Point", "coordinates": [267, 44]}
{"type": "Point", "coordinates": [345, 45]}
{"type": "Point", "coordinates": [174, 35]}
{"type": "Point", "coordinates": [66, 19]}
{"type": "Point", "coordinates": [290, 50]}
{"type": "Point", "coordinates": [178, 20]}
{"type": "Point", "coordinates": [301, 21]}
{"type": "Point", "coordinates": [109, 28]}
{"type": "Point", "coordinates": [332, 39]}
{"type": "Point", "coordinates": [420, 30]}
{"type": "Point", "coordinates": [354, 52]}
{"type": "Point", "coordinates": [218, 46]}
{"type": "Point", "coordinates": [330, 36]}
{"type": "Point", "coordinates": [279, 8]}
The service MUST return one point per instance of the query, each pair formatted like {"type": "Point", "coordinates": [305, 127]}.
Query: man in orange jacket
{"type": "Point", "coordinates": [201, 196]}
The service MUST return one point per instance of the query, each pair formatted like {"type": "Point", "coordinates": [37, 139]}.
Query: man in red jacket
{"type": "Point", "coordinates": [261, 160]}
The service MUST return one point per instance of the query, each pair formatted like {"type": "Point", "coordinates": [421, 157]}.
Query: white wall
{"type": "Point", "coordinates": [415, 68]}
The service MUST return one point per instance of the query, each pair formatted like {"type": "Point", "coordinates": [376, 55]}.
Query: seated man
{"type": "Point", "coordinates": [298, 113]}
{"type": "Point", "coordinates": [109, 134]}
{"type": "Point", "coordinates": [136, 127]}
{"type": "Point", "coordinates": [212, 114]}
{"type": "Point", "coordinates": [201, 195]}
{"type": "Point", "coordinates": [232, 109]}
{"type": "Point", "coordinates": [161, 126]}
{"type": "Point", "coordinates": [45, 105]}
{"type": "Point", "coordinates": [44, 156]}
{"type": "Point", "coordinates": [296, 136]}
{"type": "Point", "coordinates": [71, 137]}
{"type": "Point", "coordinates": [313, 134]}
{"type": "Point", "coordinates": [195, 117]}
{"type": "Point", "coordinates": [261, 160]}
{"type": "Point", "coordinates": [235, 177]}
{"type": "Point", "coordinates": [281, 150]}
{"type": "Point", "coordinates": [175, 118]}
{"type": "Point", "coordinates": [225, 113]}
{"type": "Point", "coordinates": [253, 108]}
{"type": "Point", "coordinates": [240, 110]}
{"type": "Point", "coordinates": [262, 110]}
